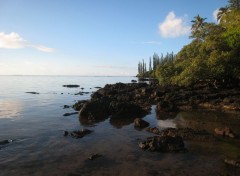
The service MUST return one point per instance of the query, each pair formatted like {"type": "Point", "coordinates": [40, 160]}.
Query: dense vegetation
{"type": "Point", "coordinates": [213, 55]}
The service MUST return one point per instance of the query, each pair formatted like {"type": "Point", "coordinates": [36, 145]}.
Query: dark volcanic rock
{"type": "Point", "coordinates": [32, 92]}
{"type": "Point", "coordinates": [66, 106]}
{"type": "Point", "coordinates": [77, 106]}
{"type": "Point", "coordinates": [135, 100]}
{"type": "Point", "coordinates": [4, 142]}
{"type": "Point", "coordinates": [153, 130]}
{"type": "Point", "coordinates": [185, 133]}
{"type": "Point", "coordinates": [139, 123]}
{"type": "Point", "coordinates": [80, 134]}
{"type": "Point", "coordinates": [71, 113]}
{"type": "Point", "coordinates": [125, 109]}
{"type": "Point", "coordinates": [71, 85]}
{"type": "Point", "coordinates": [97, 109]}
{"type": "Point", "coordinates": [166, 106]}
{"type": "Point", "coordinates": [163, 144]}
{"type": "Point", "coordinates": [65, 133]}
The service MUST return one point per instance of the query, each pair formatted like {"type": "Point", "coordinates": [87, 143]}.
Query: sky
{"type": "Point", "coordinates": [93, 37]}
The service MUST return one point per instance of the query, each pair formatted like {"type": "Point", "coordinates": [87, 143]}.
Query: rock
{"type": "Point", "coordinates": [32, 92]}
{"type": "Point", "coordinates": [80, 134]}
{"type": "Point", "coordinates": [185, 133]}
{"type": "Point", "coordinates": [139, 123]}
{"type": "Point", "coordinates": [133, 81]}
{"type": "Point", "coordinates": [126, 109]}
{"type": "Point", "coordinates": [4, 142]}
{"type": "Point", "coordinates": [71, 113]}
{"type": "Point", "coordinates": [153, 130]}
{"type": "Point", "coordinates": [225, 132]}
{"type": "Point", "coordinates": [166, 106]}
{"type": "Point", "coordinates": [98, 109]}
{"type": "Point", "coordinates": [66, 106]}
{"type": "Point", "coordinates": [163, 144]}
{"type": "Point", "coordinates": [232, 162]}
{"type": "Point", "coordinates": [65, 133]}
{"type": "Point", "coordinates": [97, 87]}
{"type": "Point", "coordinates": [94, 156]}
{"type": "Point", "coordinates": [78, 106]}
{"type": "Point", "coordinates": [71, 85]}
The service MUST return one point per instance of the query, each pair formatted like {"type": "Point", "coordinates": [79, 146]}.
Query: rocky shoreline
{"type": "Point", "coordinates": [135, 100]}
{"type": "Point", "coordinates": [132, 101]}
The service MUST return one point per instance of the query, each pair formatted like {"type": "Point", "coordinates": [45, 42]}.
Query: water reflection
{"type": "Point", "coordinates": [119, 122]}
{"type": "Point", "coordinates": [10, 108]}
{"type": "Point", "coordinates": [91, 121]}
{"type": "Point", "coordinates": [168, 123]}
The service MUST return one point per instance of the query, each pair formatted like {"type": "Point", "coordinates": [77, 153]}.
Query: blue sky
{"type": "Point", "coordinates": [93, 37]}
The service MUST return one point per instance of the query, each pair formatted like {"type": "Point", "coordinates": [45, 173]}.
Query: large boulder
{"type": "Point", "coordinates": [96, 109]}
{"type": "Point", "coordinates": [126, 109]}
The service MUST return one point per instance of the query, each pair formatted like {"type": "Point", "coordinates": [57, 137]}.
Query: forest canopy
{"type": "Point", "coordinates": [213, 54]}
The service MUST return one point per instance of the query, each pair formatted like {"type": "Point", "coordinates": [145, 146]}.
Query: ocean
{"type": "Point", "coordinates": [34, 125]}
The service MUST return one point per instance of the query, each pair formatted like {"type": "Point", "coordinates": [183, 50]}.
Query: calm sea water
{"type": "Point", "coordinates": [35, 123]}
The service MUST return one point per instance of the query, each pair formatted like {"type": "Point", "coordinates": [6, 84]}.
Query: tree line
{"type": "Point", "coordinates": [213, 54]}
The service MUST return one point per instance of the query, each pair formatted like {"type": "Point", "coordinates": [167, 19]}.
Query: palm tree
{"type": "Point", "coordinates": [234, 4]}
{"type": "Point", "coordinates": [198, 24]}
{"type": "Point", "coordinates": [223, 11]}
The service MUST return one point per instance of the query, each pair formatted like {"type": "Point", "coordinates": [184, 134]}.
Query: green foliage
{"type": "Point", "coordinates": [213, 55]}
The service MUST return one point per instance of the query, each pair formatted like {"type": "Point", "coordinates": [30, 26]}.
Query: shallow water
{"type": "Point", "coordinates": [35, 122]}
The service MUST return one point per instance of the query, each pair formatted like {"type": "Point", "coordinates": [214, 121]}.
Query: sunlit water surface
{"type": "Point", "coordinates": [35, 123]}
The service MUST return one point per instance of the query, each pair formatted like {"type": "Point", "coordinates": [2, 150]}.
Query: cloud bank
{"type": "Point", "coordinates": [173, 26]}
{"type": "Point", "coordinates": [15, 41]}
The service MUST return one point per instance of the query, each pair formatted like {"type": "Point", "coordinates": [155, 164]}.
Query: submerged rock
{"type": "Point", "coordinates": [80, 134]}
{"type": "Point", "coordinates": [185, 133]}
{"type": "Point", "coordinates": [163, 144]}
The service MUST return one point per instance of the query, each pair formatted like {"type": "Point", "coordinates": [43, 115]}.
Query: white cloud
{"type": "Point", "coordinates": [11, 41]}
{"type": "Point", "coordinates": [173, 26]}
{"type": "Point", "coordinates": [43, 48]}
{"type": "Point", "coordinates": [215, 12]}
{"type": "Point", "coordinates": [15, 41]}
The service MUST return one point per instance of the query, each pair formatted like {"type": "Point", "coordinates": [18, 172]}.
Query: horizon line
{"type": "Point", "coordinates": [74, 75]}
